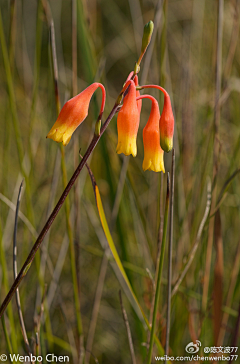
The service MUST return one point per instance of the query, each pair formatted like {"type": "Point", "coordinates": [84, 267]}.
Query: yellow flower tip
{"type": "Point", "coordinates": [153, 154]}
{"type": "Point", "coordinates": [127, 146]}
{"type": "Point", "coordinates": [66, 139]}
{"type": "Point", "coordinates": [61, 133]}
{"type": "Point", "coordinates": [166, 143]}
{"type": "Point", "coordinates": [153, 162]}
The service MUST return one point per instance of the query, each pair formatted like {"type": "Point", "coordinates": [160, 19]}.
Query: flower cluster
{"type": "Point", "coordinates": [157, 134]}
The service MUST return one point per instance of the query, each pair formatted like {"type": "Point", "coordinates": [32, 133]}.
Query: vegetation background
{"type": "Point", "coordinates": [101, 41]}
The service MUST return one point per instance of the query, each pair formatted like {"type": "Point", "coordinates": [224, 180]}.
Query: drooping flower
{"type": "Point", "coordinates": [128, 122]}
{"type": "Point", "coordinates": [166, 124]}
{"type": "Point", "coordinates": [153, 153]}
{"type": "Point", "coordinates": [73, 113]}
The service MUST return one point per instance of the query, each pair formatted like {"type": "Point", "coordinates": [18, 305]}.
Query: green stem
{"type": "Point", "coordinates": [54, 213]}
{"type": "Point", "coordinates": [36, 72]}
{"type": "Point", "coordinates": [72, 250]}
{"type": "Point", "coordinates": [159, 274]}
{"type": "Point", "coordinates": [64, 176]}
{"type": "Point", "coordinates": [6, 287]}
{"type": "Point", "coordinates": [6, 335]}
{"type": "Point", "coordinates": [15, 117]}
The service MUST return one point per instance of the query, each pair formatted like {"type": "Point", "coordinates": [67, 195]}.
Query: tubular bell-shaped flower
{"type": "Point", "coordinates": [128, 122]}
{"type": "Point", "coordinates": [153, 153]}
{"type": "Point", "coordinates": [73, 113]}
{"type": "Point", "coordinates": [166, 122]}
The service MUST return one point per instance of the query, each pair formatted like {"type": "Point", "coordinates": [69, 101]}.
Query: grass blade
{"type": "Point", "coordinates": [218, 277]}
{"type": "Point", "coordinates": [116, 256]}
{"type": "Point", "coordinates": [159, 274]}
{"type": "Point", "coordinates": [170, 253]}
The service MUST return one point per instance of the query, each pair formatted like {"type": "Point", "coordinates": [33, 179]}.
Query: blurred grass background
{"type": "Point", "coordinates": [104, 47]}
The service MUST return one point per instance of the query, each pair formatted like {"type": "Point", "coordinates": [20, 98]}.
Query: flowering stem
{"type": "Point", "coordinates": [54, 213]}
{"type": "Point", "coordinates": [159, 273]}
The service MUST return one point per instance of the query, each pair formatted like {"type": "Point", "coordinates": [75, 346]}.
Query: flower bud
{"type": "Point", "coordinates": [166, 125]}
{"type": "Point", "coordinates": [147, 34]}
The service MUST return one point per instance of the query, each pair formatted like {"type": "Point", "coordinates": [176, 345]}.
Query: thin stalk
{"type": "Point", "coordinates": [158, 28]}
{"type": "Point", "coordinates": [235, 337]}
{"type": "Point", "coordinates": [126, 322]}
{"type": "Point", "coordinates": [216, 151]}
{"type": "Point", "coordinates": [12, 32]}
{"type": "Point", "coordinates": [97, 301]}
{"type": "Point", "coordinates": [163, 46]}
{"type": "Point", "coordinates": [104, 264]}
{"type": "Point", "coordinates": [6, 287]}
{"type": "Point", "coordinates": [193, 250]}
{"type": "Point", "coordinates": [169, 288]}
{"type": "Point", "coordinates": [36, 72]}
{"type": "Point", "coordinates": [75, 143]}
{"type": "Point", "coordinates": [55, 211]}
{"type": "Point", "coordinates": [18, 302]}
{"type": "Point", "coordinates": [154, 86]}
{"type": "Point", "coordinates": [64, 176]}
{"type": "Point", "coordinates": [159, 247]}
{"type": "Point", "coordinates": [88, 56]}
{"type": "Point", "coordinates": [9, 346]}
{"type": "Point", "coordinates": [72, 252]}
{"type": "Point", "coordinates": [229, 299]}
{"type": "Point", "coordinates": [69, 330]}
{"type": "Point", "coordinates": [15, 120]}
{"type": "Point", "coordinates": [74, 47]}
{"type": "Point", "coordinates": [159, 274]}
{"type": "Point", "coordinates": [38, 323]}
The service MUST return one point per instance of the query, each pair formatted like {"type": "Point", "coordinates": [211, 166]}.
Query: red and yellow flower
{"type": "Point", "coordinates": [128, 122]}
{"type": "Point", "coordinates": [153, 153]}
{"type": "Point", "coordinates": [73, 113]}
{"type": "Point", "coordinates": [166, 124]}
